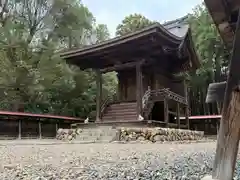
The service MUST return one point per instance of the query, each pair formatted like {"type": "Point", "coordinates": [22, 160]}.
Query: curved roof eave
{"type": "Point", "coordinates": [122, 39]}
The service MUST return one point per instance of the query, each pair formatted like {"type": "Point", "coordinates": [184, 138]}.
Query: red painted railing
{"type": "Point", "coordinates": [204, 117]}
{"type": "Point", "coordinates": [47, 116]}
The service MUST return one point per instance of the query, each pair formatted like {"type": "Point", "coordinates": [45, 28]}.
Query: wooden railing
{"type": "Point", "coordinates": [145, 98]}
{"type": "Point", "coordinates": [106, 102]}
{"type": "Point", "coordinates": [175, 97]}
{"type": "Point", "coordinates": [151, 96]}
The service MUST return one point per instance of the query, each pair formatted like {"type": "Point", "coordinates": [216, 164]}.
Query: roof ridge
{"type": "Point", "coordinates": [167, 23]}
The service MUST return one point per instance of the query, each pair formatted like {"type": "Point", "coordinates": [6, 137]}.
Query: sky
{"type": "Point", "coordinates": [113, 12]}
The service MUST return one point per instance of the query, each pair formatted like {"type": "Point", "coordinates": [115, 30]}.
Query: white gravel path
{"type": "Point", "coordinates": [106, 161]}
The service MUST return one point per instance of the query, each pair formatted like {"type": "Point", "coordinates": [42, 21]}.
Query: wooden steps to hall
{"type": "Point", "coordinates": [125, 111]}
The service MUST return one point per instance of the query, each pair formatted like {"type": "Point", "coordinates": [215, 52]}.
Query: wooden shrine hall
{"type": "Point", "coordinates": [147, 63]}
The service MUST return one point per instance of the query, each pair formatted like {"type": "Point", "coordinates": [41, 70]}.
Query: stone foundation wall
{"type": "Point", "coordinates": [158, 134]}
{"type": "Point", "coordinates": [102, 133]}
{"type": "Point", "coordinates": [128, 134]}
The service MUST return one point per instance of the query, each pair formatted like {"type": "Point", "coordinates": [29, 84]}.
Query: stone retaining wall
{"type": "Point", "coordinates": [128, 134]}
{"type": "Point", "coordinates": [158, 134]}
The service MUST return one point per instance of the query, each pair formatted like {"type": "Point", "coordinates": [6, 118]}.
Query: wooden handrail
{"type": "Point", "coordinates": [106, 102]}
{"type": "Point", "coordinates": [164, 92]}
{"type": "Point", "coordinates": [145, 98]}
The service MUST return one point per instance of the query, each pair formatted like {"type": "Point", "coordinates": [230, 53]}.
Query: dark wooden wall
{"type": "Point", "coordinates": [9, 128]}
{"type": "Point", "coordinates": [151, 77]}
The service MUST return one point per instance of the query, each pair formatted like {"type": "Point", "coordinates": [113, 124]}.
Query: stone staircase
{"type": "Point", "coordinates": [124, 111]}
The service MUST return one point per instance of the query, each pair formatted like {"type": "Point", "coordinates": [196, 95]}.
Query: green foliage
{"type": "Point", "coordinates": [31, 74]}
{"type": "Point", "coordinates": [213, 55]}
{"type": "Point", "coordinates": [132, 23]}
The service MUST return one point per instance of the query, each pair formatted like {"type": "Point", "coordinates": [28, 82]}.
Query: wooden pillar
{"type": "Point", "coordinates": [186, 108]}
{"type": "Point", "coordinates": [166, 114]}
{"type": "Point", "coordinates": [56, 127]}
{"type": "Point", "coordinates": [229, 131]}
{"type": "Point", "coordinates": [19, 129]}
{"type": "Point", "coordinates": [139, 90]}
{"type": "Point", "coordinates": [99, 94]}
{"type": "Point", "coordinates": [40, 129]}
{"type": "Point", "coordinates": [178, 116]}
{"type": "Point", "coordinates": [186, 89]}
{"type": "Point", "coordinates": [205, 125]}
{"type": "Point", "coordinates": [119, 89]}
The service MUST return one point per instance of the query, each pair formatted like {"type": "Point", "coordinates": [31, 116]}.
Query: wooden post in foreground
{"type": "Point", "coordinates": [228, 140]}
{"type": "Point", "coordinates": [228, 135]}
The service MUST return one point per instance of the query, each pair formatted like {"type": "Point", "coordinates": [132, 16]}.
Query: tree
{"type": "Point", "coordinates": [32, 75]}
{"type": "Point", "coordinates": [132, 23]}
{"type": "Point", "coordinates": [213, 55]}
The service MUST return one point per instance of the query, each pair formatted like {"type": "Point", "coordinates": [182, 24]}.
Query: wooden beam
{"type": "Point", "coordinates": [122, 66]}
{"type": "Point", "coordinates": [99, 94]}
{"type": "Point", "coordinates": [228, 136]}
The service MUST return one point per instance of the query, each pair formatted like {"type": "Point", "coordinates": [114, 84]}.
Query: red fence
{"type": "Point", "coordinates": [47, 116]}
{"type": "Point", "coordinates": [204, 117]}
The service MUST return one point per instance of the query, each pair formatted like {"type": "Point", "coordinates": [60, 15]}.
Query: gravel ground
{"type": "Point", "coordinates": [106, 161]}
